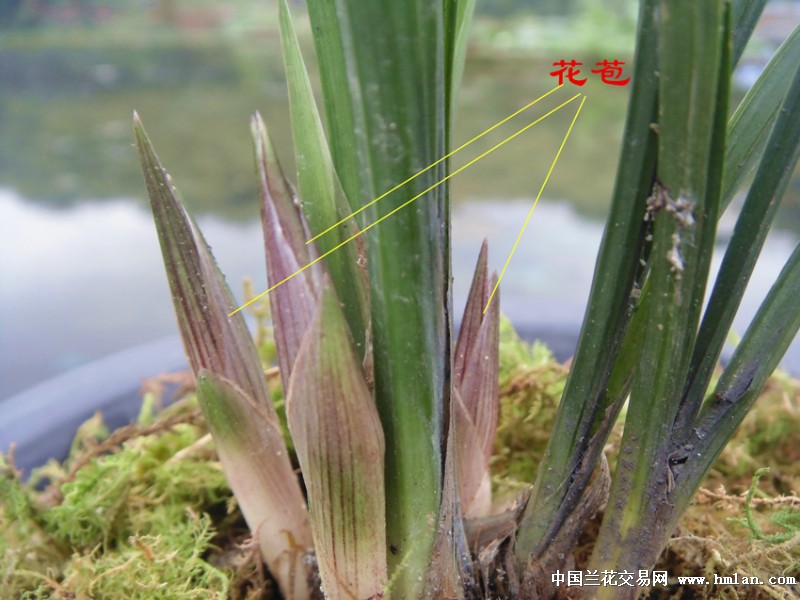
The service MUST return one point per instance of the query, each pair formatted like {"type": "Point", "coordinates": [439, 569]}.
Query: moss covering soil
{"type": "Point", "coordinates": [145, 512]}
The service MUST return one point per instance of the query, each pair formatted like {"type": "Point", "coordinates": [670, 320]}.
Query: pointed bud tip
{"type": "Point", "coordinates": [482, 266]}
{"type": "Point", "coordinates": [138, 127]}
{"type": "Point", "coordinates": [142, 139]}
{"type": "Point", "coordinates": [257, 123]}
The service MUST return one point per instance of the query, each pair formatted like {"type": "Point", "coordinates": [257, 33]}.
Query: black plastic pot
{"type": "Point", "coordinates": [41, 421]}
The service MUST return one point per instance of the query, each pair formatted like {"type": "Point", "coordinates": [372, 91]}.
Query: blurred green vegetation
{"type": "Point", "coordinates": [73, 71]}
{"type": "Point", "coordinates": [30, 13]}
{"type": "Point", "coordinates": [71, 142]}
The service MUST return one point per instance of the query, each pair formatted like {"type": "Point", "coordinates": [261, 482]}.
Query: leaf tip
{"type": "Point", "coordinates": [257, 121]}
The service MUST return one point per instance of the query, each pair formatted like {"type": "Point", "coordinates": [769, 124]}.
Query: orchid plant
{"type": "Point", "coordinates": [392, 424]}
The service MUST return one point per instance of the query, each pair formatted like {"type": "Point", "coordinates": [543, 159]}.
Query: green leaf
{"type": "Point", "coordinates": [383, 71]}
{"type": "Point", "coordinates": [340, 447]}
{"type": "Point", "coordinates": [755, 358]}
{"type": "Point", "coordinates": [458, 18]}
{"type": "Point", "coordinates": [709, 210]}
{"type": "Point", "coordinates": [689, 51]}
{"type": "Point", "coordinates": [745, 17]}
{"type": "Point", "coordinates": [558, 483]}
{"type": "Point", "coordinates": [752, 226]}
{"type": "Point", "coordinates": [321, 193]}
{"type": "Point", "coordinates": [761, 349]}
{"type": "Point", "coordinates": [693, 67]}
{"type": "Point", "coordinates": [231, 383]}
{"type": "Point", "coordinates": [753, 120]}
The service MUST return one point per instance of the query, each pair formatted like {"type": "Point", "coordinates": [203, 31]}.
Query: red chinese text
{"type": "Point", "coordinates": [610, 72]}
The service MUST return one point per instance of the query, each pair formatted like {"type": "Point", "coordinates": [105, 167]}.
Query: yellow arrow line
{"type": "Point", "coordinates": [535, 202]}
{"type": "Point", "coordinates": [406, 203]}
{"type": "Point", "coordinates": [430, 166]}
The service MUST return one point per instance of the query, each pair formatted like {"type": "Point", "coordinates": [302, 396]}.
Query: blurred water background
{"type": "Point", "coordinates": [80, 267]}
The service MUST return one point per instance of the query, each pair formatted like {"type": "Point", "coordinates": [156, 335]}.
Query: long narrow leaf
{"type": "Point", "coordinates": [458, 17]}
{"type": "Point", "coordinates": [324, 203]}
{"type": "Point", "coordinates": [756, 357]}
{"type": "Point", "coordinates": [231, 387]}
{"type": "Point", "coordinates": [383, 80]}
{"type": "Point", "coordinates": [745, 17]}
{"type": "Point", "coordinates": [753, 120]}
{"type": "Point", "coordinates": [340, 447]}
{"type": "Point", "coordinates": [709, 184]}
{"type": "Point", "coordinates": [752, 227]}
{"type": "Point", "coordinates": [606, 314]}
{"type": "Point", "coordinates": [692, 58]}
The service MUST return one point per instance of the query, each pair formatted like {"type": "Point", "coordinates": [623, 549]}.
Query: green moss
{"type": "Point", "coordinates": [145, 512]}
{"type": "Point", "coordinates": [786, 520]}
{"type": "Point", "coordinates": [27, 554]}
{"type": "Point", "coordinates": [168, 564]}
{"type": "Point", "coordinates": [127, 515]}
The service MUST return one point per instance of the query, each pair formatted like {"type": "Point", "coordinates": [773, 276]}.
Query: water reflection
{"type": "Point", "coordinates": [81, 269]}
{"type": "Point", "coordinates": [65, 124]}
{"type": "Point", "coordinates": [85, 281]}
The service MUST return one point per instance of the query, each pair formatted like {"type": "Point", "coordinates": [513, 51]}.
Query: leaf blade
{"type": "Point", "coordinates": [771, 332]}
{"type": "Point", "coordinates": [323, 198]}
{"type": "Point", "coordinates": [694, 74]}
{"type": "Point", "coordinates": [606, 315]}
{"type": "Point", "coordinates": [753, 119]}
{"type": "Point", "coordinates": [340, 447]}
{"type": "Point", "coordinates": [383, 79]}
{"type": "Point", "coordinates": [458, 18]}
{"type": "Point", "coordinates": [745, 16]}
{"type": "Point", "coordinates": [754, 222]}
